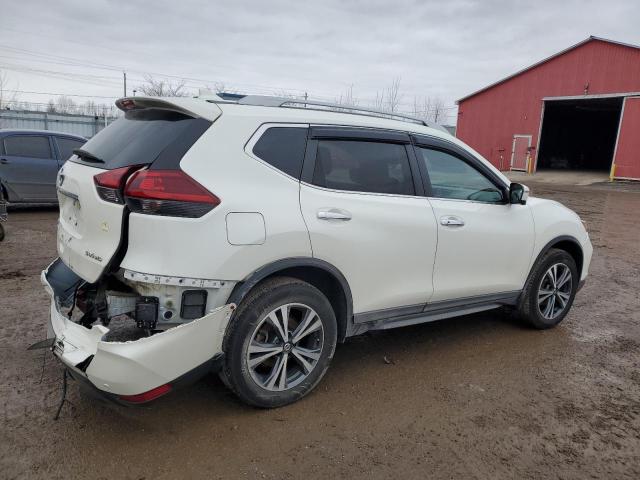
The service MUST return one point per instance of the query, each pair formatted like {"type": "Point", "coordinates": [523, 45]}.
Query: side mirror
{"type": "Point", "coordinates": [518, 193]}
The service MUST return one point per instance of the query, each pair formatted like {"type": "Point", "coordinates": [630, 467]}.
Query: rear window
{"type": "Point", "coordinates": [360, 166]}
{"type": "Point", "coordinates": [27, 146]}
{"type": "Point", "coordinates": [283, 148]}
{"type": "Point", "coordinates": [141, 136]}
{"type": "Point", "coordinates": [66, 146]}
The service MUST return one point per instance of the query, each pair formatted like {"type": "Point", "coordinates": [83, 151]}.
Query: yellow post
{"type": "Point", "coordinates": [612, 172]}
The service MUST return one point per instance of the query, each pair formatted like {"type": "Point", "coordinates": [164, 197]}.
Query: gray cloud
{"type": "Point", "coordinates": [444, 49]}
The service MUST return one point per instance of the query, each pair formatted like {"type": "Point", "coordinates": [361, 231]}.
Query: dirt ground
{"type": "Point", "coordinates": [475, 397]}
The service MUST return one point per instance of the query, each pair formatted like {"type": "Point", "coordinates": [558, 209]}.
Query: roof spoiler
{"type": "Point", "coordinates": [135, 103]}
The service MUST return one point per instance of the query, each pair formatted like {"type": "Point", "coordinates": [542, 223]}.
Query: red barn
{"type": "Point", "coordinates": [578, 109]}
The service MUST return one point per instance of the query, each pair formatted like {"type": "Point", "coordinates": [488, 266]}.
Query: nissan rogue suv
{"type": "Point", "coordinates": [249, 237]}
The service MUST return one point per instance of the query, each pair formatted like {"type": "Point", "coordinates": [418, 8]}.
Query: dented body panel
{"type": "Point", "coordinates": [169, 291]}
{"type": "Point", "coordinates": [132, 367]}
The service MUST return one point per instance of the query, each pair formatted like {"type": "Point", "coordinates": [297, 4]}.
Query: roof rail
{"type": "Point", "coordinates": [272, 101]}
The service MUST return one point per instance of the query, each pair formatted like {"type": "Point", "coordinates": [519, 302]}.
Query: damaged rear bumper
{"type": "Point", "coordinates": [132, 368]}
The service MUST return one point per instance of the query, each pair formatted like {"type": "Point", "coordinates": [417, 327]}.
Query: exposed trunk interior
{"type": "Point", "coordinates": [579, 134]}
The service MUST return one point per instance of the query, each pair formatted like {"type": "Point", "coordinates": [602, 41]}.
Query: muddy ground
{"type": "Point", "coordinates": [476, 397]}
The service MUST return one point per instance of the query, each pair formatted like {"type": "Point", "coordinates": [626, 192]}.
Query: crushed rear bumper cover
{"type": "Point", "coordinates": [129, 368]}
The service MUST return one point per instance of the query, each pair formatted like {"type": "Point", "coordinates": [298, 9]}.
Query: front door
{"type": "Point", "coordinates": [358, 199]}
{"type": "Point", "coordinates": [28, 168]}
{"type": "Point", "coordinates": [520, 151]}
{"type": "Point", "coordinates": [484, 243]}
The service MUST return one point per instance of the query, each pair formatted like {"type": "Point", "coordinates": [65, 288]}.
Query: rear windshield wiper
{"type": "Point", "coordinates": [87, 156]}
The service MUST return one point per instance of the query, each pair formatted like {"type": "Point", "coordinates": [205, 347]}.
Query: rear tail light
{"type": "Point", "coordinates": [168, 192]}
{"type": "Point", "coordinates": [147, 396]}
{"type": "Point", "coordinates": [109, 184]}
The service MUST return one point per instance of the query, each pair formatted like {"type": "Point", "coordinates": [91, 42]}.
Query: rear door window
{"type": "Point", "coordinates": [140, 137]}
{"type": "Point", "coordinates": [361, 166]}
{"type": "Point", "coordinates": [66, 146]}
{"type": "Point", "coordinates": [32, 146]}
{"type": "Point", "coordinates": [283, 148]}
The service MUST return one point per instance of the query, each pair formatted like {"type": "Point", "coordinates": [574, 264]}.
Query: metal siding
{"type": "Point", "coordinates": [84, 125]}
{"type": "Point", "coordinates": [488, 120]}
{"type": "Point", "coordinates": [627, 156]}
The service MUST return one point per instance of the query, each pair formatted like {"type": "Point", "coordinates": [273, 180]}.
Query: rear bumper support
{"type": "Point", "coordinates": [132, 367]}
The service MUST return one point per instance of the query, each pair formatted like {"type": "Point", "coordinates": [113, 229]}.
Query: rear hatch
{"type": "Point", "coordinates": [92, 224]}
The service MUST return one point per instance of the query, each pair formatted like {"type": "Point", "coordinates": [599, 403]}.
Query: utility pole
{"type": "Point", "coordinates": [305, 98]}
{"type": "Point", "coordinates": [124, 76]}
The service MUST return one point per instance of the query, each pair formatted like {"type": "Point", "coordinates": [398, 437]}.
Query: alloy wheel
{"type": "Point", "coordinates": [555, 291]}
{"type": "Point", "coordinates": [285, 347]}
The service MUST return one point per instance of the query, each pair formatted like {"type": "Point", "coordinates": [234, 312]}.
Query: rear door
{"type": "Point", "coordinates": [484, 243]}
{"type": "Point", "coordinates": [28, 168]}
{"type": "Point", "coordinates": [90, 228]}
{"type": "Point", "coordinates": [366, 216]}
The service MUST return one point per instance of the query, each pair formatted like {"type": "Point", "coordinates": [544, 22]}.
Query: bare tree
{"type": "Point", "coordinates": [65, 104]}
{"type": "Point", "coordinates": [347, 98]}
{"type": "Point", "coordinates": [393, 96]}
{"type": "Point", "coordinates": [162, 88]}
{"type": "Point", "coordinates": [429, 108]}
{"type": "Point", "coordinates": [284, 94]}
{"type": "Point", "coordinates": [437, 109]}
{"type": "Point", "coordinates": [421, 105]}
{"type": "Point", "coordinates": [379, 101]}
{"type": "Point", "coordinates": [6, 99]}
{"type": "Point", "coordinates": [51, 107]}
{"type": "Point", "coordinates": [90, 107]}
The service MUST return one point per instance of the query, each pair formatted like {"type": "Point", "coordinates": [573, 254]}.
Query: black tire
{"type": "Point", "coordinates": [529, 309]}
{"type": "Point", "coordinates": [265, 298]}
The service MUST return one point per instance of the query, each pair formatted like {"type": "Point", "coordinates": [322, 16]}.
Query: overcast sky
{"type": "Point", "coordinates": [440, 49]}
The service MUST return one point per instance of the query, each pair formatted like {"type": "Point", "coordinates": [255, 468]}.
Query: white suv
{"type": "Point", "coordinates": [249, 236]}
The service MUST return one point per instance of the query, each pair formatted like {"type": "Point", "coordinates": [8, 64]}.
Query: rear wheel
{"type": "Point", "coordinates": [280, 343]}
{"type": "Point", "coordinates": [550, 290]}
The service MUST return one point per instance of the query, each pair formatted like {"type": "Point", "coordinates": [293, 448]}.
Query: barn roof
{"type": "Point", "coordinates": [545, 60]}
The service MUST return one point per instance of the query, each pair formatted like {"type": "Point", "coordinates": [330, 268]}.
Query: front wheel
{"type": "Point", "coordinates": [280, 343]}
{"type": "Point", "coordinates": [550, 290]}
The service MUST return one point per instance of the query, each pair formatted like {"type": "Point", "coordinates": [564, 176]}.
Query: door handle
{"type": "Point", "coordinates": [334, 214]}
{"type": "Point", "coordinates": [451, 221]}
{"type": "Point", "coordinates": [4, 161]}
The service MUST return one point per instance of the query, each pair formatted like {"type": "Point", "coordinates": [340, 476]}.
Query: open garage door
{"type": "Point", "coordinates": [627, 157]}
{"type": "Point", "coordinates": [579, 134]}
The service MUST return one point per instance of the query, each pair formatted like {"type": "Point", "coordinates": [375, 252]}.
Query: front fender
{"type": "Point", "coordinates": [555, 225]}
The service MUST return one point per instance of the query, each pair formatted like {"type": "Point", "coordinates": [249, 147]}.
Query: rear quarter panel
{"type": "Point", "coordinates": [200, 248]}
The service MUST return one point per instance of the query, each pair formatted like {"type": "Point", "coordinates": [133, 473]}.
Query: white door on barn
{"type": "Point", "coordinates": [520, 152]}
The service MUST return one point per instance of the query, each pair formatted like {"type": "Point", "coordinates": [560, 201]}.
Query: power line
{"type": "Point", "coordinates": [69, 61]}
{"type": "Point", "coordinates": [110, 81]}
{"type": "Point", "coordinates": [61, 94]}
{"type": "Point", "coordinates": [85, 63]}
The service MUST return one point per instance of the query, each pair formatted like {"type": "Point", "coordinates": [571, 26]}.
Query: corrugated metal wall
{"type": "Point", "coordinates": [627, 156]}
{"type": "Point", "coordinates": [85, 125]}
{"type": "Point", "coordinates": [489, 120]}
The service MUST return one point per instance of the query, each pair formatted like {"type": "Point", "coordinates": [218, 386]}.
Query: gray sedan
{"type": "Point", "coordinates": [29, 163]}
